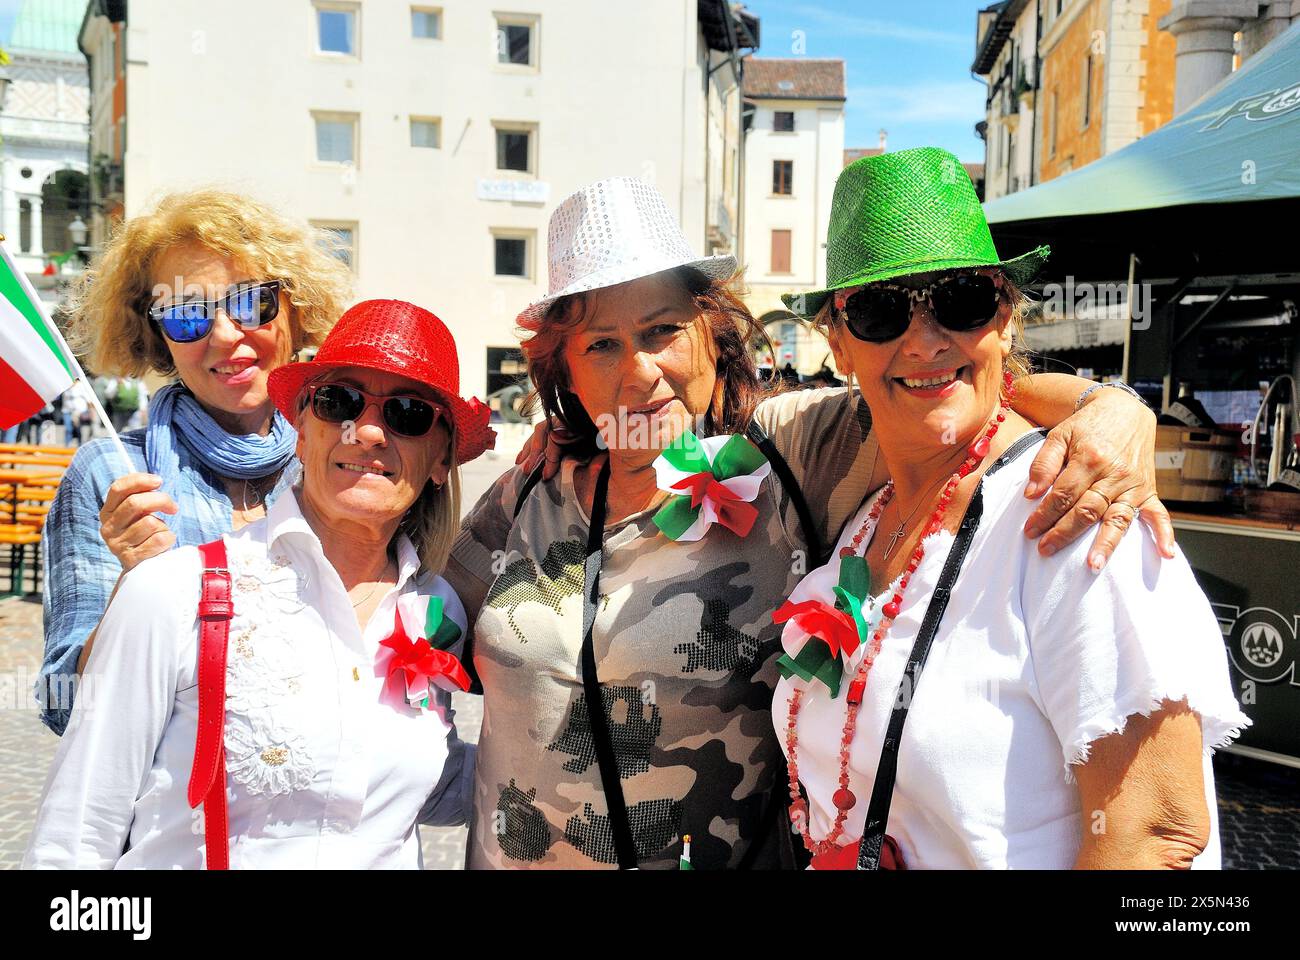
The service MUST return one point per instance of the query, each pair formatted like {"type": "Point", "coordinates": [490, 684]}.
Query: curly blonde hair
{"type": "Point", "coordinates": [110, 325]}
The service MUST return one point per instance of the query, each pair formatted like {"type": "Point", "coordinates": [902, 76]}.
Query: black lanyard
{"type": "Point", "coordinates": [606, 760]}
{"type": "Point", "coordinates": [882, 791]}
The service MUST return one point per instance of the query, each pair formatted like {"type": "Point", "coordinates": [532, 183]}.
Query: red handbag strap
{"type": "Point", "coordinates": [208, 776]}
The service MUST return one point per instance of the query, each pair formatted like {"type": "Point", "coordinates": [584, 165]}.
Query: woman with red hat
{"type": "Point", "coordinates": [311, 654]}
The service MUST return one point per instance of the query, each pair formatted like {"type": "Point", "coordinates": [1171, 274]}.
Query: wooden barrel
{"type": "Point", "coordinates": [1193, 464]}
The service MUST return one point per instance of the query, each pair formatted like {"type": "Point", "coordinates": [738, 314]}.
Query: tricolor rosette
{"type": "Point", "coordinates": [716, 481]}
{"type": "Point", "coordinates": [413, 667]}
{"type": "Point", "coordinates": [830, 615]}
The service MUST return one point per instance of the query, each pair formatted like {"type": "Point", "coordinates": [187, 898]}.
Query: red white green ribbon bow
{"type": "Point", "coordinates": [716, 480]}
{"type": "Point", "coordinates": [412, 668]}
{"type": "Point", "coordinates": [833, 631]}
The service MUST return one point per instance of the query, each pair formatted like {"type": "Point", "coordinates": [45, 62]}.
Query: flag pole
{"type": "Point", "coordinates": [79, 374]}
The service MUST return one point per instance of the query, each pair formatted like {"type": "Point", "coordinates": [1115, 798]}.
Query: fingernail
{"type": "Point", "coordinates": [1031, 488]}
{"type": "Point", "coordinates": [1095, 562]}
{"type": "Point", "coordinates": [1031, 529]}
{"type": "Point", "coordinates": [1047, 549]}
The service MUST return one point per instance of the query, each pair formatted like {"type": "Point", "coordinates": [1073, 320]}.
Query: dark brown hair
{"type": "Point", "coordinates": [730, 324]}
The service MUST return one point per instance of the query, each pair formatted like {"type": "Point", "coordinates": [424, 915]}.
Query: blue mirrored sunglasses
{"type": "Point", "coordinates": [249, 306]}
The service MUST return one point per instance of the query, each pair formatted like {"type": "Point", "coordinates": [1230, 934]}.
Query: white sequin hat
{"type": "Point", "coordinates": [613, 231]}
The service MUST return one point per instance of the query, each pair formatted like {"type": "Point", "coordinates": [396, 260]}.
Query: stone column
{"type": "Point", "coordinates": [1273, 20]}
{"type": "Point", "coordinates": [1203, 56]}
{"type": "Point", "coordinates": [37, 249]}
{"type": "Point", "coordinates": [9, 225]}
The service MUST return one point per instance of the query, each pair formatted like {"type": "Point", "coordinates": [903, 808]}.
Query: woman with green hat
{"type": "Point", "coordinates": [628, 660]}
{"type": "Point", "coordinates": [950, 697]}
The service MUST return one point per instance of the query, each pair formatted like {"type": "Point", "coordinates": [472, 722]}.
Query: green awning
{"type": "Point", "coordinates": [46, 26]}
{"type": "Point", "coordinates": [1238, 143]}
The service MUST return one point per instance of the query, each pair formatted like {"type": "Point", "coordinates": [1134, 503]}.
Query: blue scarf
{"type": "Point", "coordinates": [174, 413]}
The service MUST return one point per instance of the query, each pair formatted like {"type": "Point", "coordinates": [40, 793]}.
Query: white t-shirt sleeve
{"type": "Point", "coordinates": [124, 702]}
{"type": "Point", "coordinates": [1110, 645]}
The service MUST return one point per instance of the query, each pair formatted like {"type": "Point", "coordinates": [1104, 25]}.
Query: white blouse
{"type": "Point", "coordinates": [1034, 659]}
{"type": "Point", "coordinates": [325, 767]}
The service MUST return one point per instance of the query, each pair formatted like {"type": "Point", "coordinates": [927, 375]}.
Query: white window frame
{"type": "Point", "coordinates": [413, 120]}
{"type": "Point", "coordinates": [435, 11]}
{"type": "Point", "coordinates": [530, 246]}
{"type": "Point", "coordinates": [333, 116]}
{"type": "Point", "coordinates": [336, 6]}
{"type": "Point", "coordinates": [513, 126]}
{"type": "Point", "coordinates": [352, 225]}
{"type": "Point", "coordinates": [534, 23]}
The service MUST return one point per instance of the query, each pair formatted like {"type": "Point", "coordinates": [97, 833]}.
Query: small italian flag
{"type": "Point", "coordinates": [33, 366]}
{"type": "Point", "coordinates": [685, 862]}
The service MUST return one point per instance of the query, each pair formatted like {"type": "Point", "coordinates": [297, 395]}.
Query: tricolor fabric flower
{"type": "Point", "coordinates": [413, 667]}
{"type": "Point", "coordinates": [826, 622]}
{"type": "Point", "coordinates": [716, 481]}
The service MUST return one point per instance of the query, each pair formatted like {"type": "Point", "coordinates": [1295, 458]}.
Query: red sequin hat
{"type": "Point", "coordinates": [400, 338]}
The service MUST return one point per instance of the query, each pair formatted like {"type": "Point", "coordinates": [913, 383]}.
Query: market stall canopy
{"type": "Point", "coordinates": [1214, 191]}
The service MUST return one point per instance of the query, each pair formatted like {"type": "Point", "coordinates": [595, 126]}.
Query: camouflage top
{"type": "Point", "coordinates": [685, 649]}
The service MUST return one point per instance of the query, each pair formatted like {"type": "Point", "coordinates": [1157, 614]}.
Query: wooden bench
{"type": "Point", "coordinates": [29, 479]}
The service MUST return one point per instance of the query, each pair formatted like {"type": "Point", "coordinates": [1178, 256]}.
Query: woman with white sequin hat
{"type": "Point", "coordinates": [623, 602]}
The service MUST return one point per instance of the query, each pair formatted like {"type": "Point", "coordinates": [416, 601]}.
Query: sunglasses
{"type": "Point", "coordinates": [250, 306]}
{"type": "Point", "coordinates": [405, 415]}
{"type": "Point", "coordinates": [882, 312]}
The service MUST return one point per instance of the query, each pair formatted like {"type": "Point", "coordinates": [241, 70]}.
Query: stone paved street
{"type": "Point", "coordinates": [1259, 814]}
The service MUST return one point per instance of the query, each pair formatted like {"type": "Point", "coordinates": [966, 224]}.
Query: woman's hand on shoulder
{"type": "Point", "coordinates": [127, 522]}
{"type": "Point", "coordinates": [1100, 466]}
{"type": "Point", "coordinates": [548, 443]}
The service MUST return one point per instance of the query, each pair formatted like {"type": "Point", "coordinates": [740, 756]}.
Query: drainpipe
{"type": "Point", "coordinates": [1038, 88]}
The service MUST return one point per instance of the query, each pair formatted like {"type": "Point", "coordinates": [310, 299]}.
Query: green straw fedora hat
{"type": "Point", "coordinates": [907, 212]}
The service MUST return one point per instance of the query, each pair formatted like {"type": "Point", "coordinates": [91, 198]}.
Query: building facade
{"type": "Point", "coordinates": [434, 139]}
{"type": "Point", "coordinates": [1069, 81]}
{"type": "Point", "coordinates": [794, 151]}
{"type": "Point", "coordinates": [1006, 57]}
{"type": "Point", "coordinates": [43, 123]}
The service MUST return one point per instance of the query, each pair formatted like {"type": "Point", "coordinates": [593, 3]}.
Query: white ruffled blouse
{"type": "Point", "coordinates": [325, 766]}
{"type": "Point", "coordinates": [1035, 658]}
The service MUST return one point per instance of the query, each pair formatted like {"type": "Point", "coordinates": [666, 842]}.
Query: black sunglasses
{"type": "Point", "coordinates": [405, 415]}
{"type": "Point", "coordinates": [881, 312]}
{"type": "Point", "coordinates": [250, 306]}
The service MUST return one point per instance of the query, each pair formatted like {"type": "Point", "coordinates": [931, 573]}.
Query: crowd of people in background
{"type": "Point", "coordinates": [125, 399]}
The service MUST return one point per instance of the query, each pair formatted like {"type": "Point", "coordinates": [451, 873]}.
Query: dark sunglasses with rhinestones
{"type": "Point", "coordinates": [881, 312]}
{"type": "Point", "coordinates": [250, 305]}
{"type": "Point", "coordinates": [404, 414]}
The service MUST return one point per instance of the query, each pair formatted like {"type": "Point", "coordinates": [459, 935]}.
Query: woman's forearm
{"type": "Point", "coordinates": [1048, 398]}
